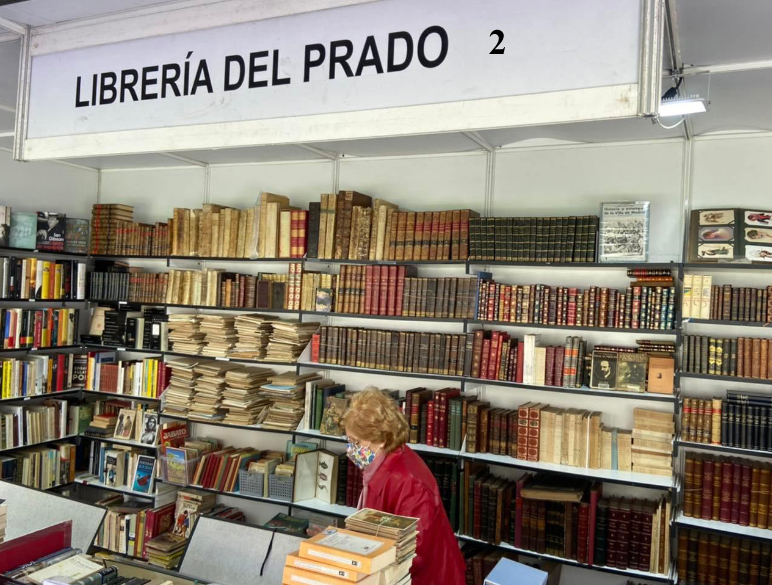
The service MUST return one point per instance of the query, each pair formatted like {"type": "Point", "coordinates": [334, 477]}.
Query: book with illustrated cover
{"type": "Point", "coordinates": [23, 230]}
{"type": "Point", "coordinates": [143, 475]}
{"type": "Point", "coordinates": [604, 370]}
{"type": "Point", "coordinates": [176, 465]}
{"type": "Point", "coordinates": [730, 234]}
{"type": "Point", "coordinates": [288, 525]}
{"type": "Point", "coordinates": [125, 425]}
{"type": "Point", "coordinates": [624, 232]}
{"type": "Point", "coordinates": [76, 235]}
{"type": "Point", "coordinates": [631, 372]}
{"type": "Point", "coordinates": [50, 231]}
{"type": "Point", "coordinates": [149, 432]}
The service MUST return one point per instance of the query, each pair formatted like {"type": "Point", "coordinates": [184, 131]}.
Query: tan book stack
{"type": "Point", "coordinates": [178, 396]}
{"type": "Point", "coordinates": [335, 557]}
{"type": "Point", "coordinates": [215, 231]}
{"type": "Point", "coordinates": [288, 340]}
{"type": "Point", "coordinates": [220, 334]}
{"type": "Point", "coordinates": [241, 399]}
{"type": "Point", "coordinates": [286, 393]}
{"type": "Point", "coordinates": [253, 331]}
{"type": "Point", "coordinates": [652, 448]}
{"type": "Point", "coordinates": [185, 333]}
{"type": "Point", "coordinates": [106, 220]}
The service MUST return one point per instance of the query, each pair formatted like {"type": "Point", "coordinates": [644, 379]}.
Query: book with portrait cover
{"type": "Point", "coordinates": [50, 231]}
{"type": "Point", "coordinates": [604, 370]}
{"type": "Point", "coordinates": [23, 228]}
{"type": "Point", "coordinates": [75, 235]}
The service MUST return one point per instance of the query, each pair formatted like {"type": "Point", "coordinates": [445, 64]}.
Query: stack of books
{"type": "Point", "coordinates": [653, 434]}
{"type": "Point", "coordinates": [286, 393]}
{"type": "Point", "coordinates": [253, 332]}
{"type": "Point", "coordinates": [289, 339]}
{"type": "Point", "coordinates": [106, 222]}
{"type": "Point", "coordinates": [185, 333]}
{"type": "Point", "coordinates": [209, 387]}
{"type": "Point", "coordinates": [165, 550]}
{"type": "Point", "coordinates": [179, 395]}
{"type": "Point", "coordinates": [401, 529]}
{"type": "Point", "coordinates": [242, 399]}
{"type": "Point", "coordinates": [337, 556]}
{"type": "Point", "coordinates": [220, 335]}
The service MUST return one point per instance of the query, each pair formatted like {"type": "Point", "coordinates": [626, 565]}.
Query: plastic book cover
{"type": "Point", "coordinates": [75, 235]}
{"type": "Point", "coordinates": [624, 232]}
{"type": "Point", "coordinates": [176, 465]}
{"type": "Point", "coordinates": [50, 231]}
{"type": "Point", "coordinates": [23, 230]}
{"type": "Point", "coordinates": [143, 476]}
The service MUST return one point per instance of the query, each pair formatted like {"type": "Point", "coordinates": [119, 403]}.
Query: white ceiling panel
{"type": "Point", "coordinates": [251, 155]}
{"type": "Point", "coordinates": [135, 161]}
{"type": "Point", "coordinates": [738, 101]}
{"type": "Point", "coordinates": [402, 145]}
{"type": "Point", "coordinates": [599, 131]}
{"type": "Point", "coordinates": [714, 32]}
{"type": "Point", "coordinates": [9, 72]}
{"type": "Point", "coordinates": [40, 12]}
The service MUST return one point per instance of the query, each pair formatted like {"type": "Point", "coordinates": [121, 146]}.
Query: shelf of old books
{"type": "Point", "coordinates": [668, 577]}
{"type": "Point", "coordinates": [732, 529]}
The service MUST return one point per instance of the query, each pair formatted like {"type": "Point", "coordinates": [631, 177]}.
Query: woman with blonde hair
{"type": "Point", "coordinates": [397, 481]}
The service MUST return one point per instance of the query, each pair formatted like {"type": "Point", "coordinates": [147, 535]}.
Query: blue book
{"type": "Point", "coordinates": [507, 572]}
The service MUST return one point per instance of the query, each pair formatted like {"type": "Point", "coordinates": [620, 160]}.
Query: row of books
{"type": "Point", "coordinates": [391, 291]}
{"type": "Point", "coordinates": [29, 425]}
{"type": "Point", "coordinates": [493, 355]}
{"type": "Point", "coordinates": [742, 357]}
{"type": "Point", "coordinates": [706, 558]}
{"type": "Point", "coordinates": [741, 419]}
{"type": "Point", "coordinates": [43, 230]}
{"type": "Point", "coordinates": [132, 286]}
{"type": "Point", "coordinates": [120, 466]}
{"type": "Point", "coordinates": [33, 278]}
{"type": "Point", "coordinates": [727, 489]}
{"type": "Point", "coordinates": [704, 300]}
{"type": "Point", "coordinates": [40, 467]}
{"type": "Point", "coordinates": [639, 307]}
{"type": "Point", "coordinates": [352, 226]}
{"type": "Point", "coordinates": [106, 373]}
{"type": "Point", "coordinates": [548, 514]}
{"type": "Point", "coordinates": [533, 239]}
{"type": "Point", "coordinates": [126, 420]}
{"type": "Point", "coordinates": [38, 328]}
{"type": "Point", "coordinates": [573, 437]}
{"type": "Point", "coordinates": [41, 374]}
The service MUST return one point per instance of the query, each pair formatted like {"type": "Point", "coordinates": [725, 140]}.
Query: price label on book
{"type": "Point", "coordinates": [123, 302]}
{"type": "Point", "coordinates": [120, 349]}
{"type": "Point", "coordinates": [222, 359]}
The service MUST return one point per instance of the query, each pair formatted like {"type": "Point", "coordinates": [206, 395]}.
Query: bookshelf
{"type": "Point", "coordinates": [39, 443]}
{"type": "Point", "coordinates": [728, 528]}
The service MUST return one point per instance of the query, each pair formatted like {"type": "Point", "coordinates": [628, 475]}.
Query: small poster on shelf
{"type": "Point", "coordinates": [50, 232]}
{"type": "Point", "coordinates": [624, 232]}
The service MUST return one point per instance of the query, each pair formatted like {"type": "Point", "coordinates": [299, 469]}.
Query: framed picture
{"type": "Point", "coordinates": [624, 232]}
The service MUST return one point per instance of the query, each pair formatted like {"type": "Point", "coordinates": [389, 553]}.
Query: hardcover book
{"type": "Point", "coordinates": [604, 370]}
{"type": "Point", "coordinates": [50, 231]}
{"type": "Point", "coordinates": [23, 230]}
{"type": "Point", "coordinates": [76, 235]}
{"type": "Point", "coordinates": [631, 372]}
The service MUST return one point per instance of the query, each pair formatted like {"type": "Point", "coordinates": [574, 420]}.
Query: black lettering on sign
{"type": "Point", "coordinates": [496, 50]}
{"type": "Point", "coordinates": [255, 67]}
{"type": "Point", "coordinates": [425, 61]}
{"type": "Point", "coordinates": [238, 61]}
{"type": "Point", "coordinates": [341, 59]}
{"type": "Point", "coordinates": [315, 62]}
{"type": "Point", "coordinates": [404, 36]}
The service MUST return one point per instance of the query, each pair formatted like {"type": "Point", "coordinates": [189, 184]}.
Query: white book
{"type": "Point", "coordinates": [39, 279]}
{"type": "Point", "coordinates": [686, 302]}
{"type": "Point", "coordinates": [707, 289]}
{"type": "Point", "coordinates": [80, 286]}
{"type": "Point", "coordinates": [23, 284]}
{"type": "Point", "coordinates": [696, 295]}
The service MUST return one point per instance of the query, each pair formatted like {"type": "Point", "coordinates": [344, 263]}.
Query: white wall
{"type": "Point", "coordinates": [46, 186]}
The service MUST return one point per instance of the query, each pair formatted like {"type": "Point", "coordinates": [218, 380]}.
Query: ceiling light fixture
{"type": "Point", "coordinates": [682, 107]}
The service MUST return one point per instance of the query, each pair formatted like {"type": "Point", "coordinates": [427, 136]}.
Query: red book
{"type": "Point", "coordinates": [519, 511]}
{"type": "Point", "coordinates": [490, 371]}
{"type": "Point", "coordinates": [392, 294]}
{"type": "Point", "coordinates": [157, 522]}
{"type": "Point", "coordinates": [398, 298]}
{"type": "Point", "coordinates": [486, 350]}
{"type": "Point", "coordinates": [707, 489]}
{"type": "Point", "coordinates": [376, 292]}
{"type": "Point", "coordinates": [384, 290]}
{"type": "Point", "coordinates": [559, 358]}
{"type": "Point", "coordinates": [519, 377]}
{"type": "Point", "coordinates": [369, 289]}
{"type": "Point", "coordinates": [623, 536]}
{"type": "Point", "coordinates": [595, 494]}
{"type": "Point", "coordinates": [436, 429]}
{"type": "Point", "coordinates": [583, 533]}
{"type": "Point", "coordinates": [60, 359]}
{"type": "Point", "coordinates": [522, 432]}
{"type": "Point", "coordinates": [430, 422]}
{"type": "Point", "coordinates": [726, 492]}
{"type": "Point", "coordinates": [745, 495]}
{"type": "Point", "coordinates": [644, 539]}
{"type": "Point", "coordinates": [350, 482]}
{"type": "Point", "coordinates": [612, 532]}
{"type": "Point", "coordinates": [38, 335]}
{"type": "Point", "coordinates": [736, 489]}
{"type": "Point", "coordinates": [164, 377]}
{"type": "Point", "coordinates": [315, 342]}
{"type": "Point", "coordinates": [550, 367]}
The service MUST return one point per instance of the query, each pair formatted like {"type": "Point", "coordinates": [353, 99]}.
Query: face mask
{"type": "Point", "coordinates": [361, 456]}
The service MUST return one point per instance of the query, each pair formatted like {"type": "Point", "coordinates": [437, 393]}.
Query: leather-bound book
{"type": "Point", "coordinates": [707, 489]}
{"type": "Point", "coordinates": [314, 215]}
{"type": "Point", "coordinates": [745, 495]}
{"type": "Point", "coordinates": [737, 472]}
{"type": "Point", "coordinates": [601, 533]}
{"type": "Point", "coordinates": [623, 535]}
{"type": "Point", "coordinates": [718, 467]}
{"type": "Point", "coordinates": [734, 559]}
{"type": "Point", "coordinates": [697, 487]}
{"type": "Point", "coordinates": [714, 558]}
{"type": "Point", "coordinates": [634, 546]}
{"type": "Point", "coordinates": [683, 553]}
{"type": "Point", "coordinates": [754, 503]}
{"type": "Point", "coordinates": [762, 520]}
{"type": "Point", "coordinates": [754, 562]}
{"type": "Point", "coordinates": [263, 294]}
{"type": "Point", "coordinates": [688, 507]}
{"type": "Point", "coordinates": [743, 562]}
{"type": "Point", "coordinates": [703, 551]}
{"type": "Point", "coordinates": [723, 562]}
{"type": "Point", "coordinates": [764, 562]}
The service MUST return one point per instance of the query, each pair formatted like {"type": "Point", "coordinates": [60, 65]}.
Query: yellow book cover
{"type": "Point", "coordinates": [46, 279]}
{"type": "Point", "coordinates": [348, 549]}
{"type": "Point", "coordinates": [344, 575]}
{"type": "Point", "coordinates": [293, 576]}
{"type": "Point", "coordinates": [58, 278]}
{"type": "Point", "coordinates": [32, 272]}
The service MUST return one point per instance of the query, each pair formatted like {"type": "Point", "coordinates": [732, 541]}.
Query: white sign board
{"type": "Point", "coordinates": [387, 54]}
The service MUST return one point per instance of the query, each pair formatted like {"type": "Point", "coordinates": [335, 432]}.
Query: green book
{"type": "Point", "coordinates": [23, 230]}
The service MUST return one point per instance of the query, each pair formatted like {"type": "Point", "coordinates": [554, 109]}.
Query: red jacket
{"type": "Point", "coordinates": [404, 486]}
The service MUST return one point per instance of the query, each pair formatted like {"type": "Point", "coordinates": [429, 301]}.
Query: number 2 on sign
{"type": "Point", "coordinates": [496, 50]}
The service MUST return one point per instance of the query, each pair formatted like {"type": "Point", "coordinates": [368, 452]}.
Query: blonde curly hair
{"type": "Point", "coordinates": [373, 416]}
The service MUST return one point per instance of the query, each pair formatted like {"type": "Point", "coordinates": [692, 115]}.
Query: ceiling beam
{"type": "Point", "coordinates": [318, 151]}
{"type": "Point", "coordinates": [479, 140]}
{"type": "Point", "coordinates": [727, 67]}
{"type": "Point", "coordinates": [184, 159]}
{"type": "Point", "coordinates": [12, 26]}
